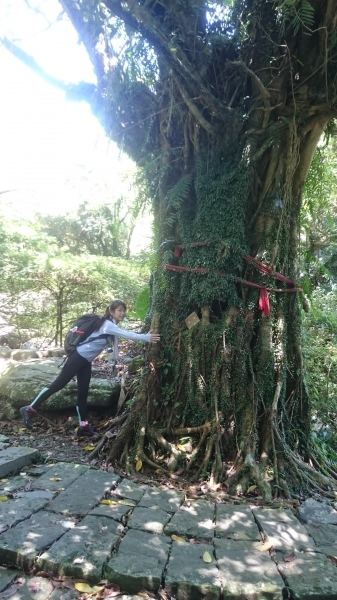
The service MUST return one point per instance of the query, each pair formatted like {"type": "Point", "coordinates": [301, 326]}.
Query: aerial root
{"type": "Point", "coordinates": [112, 425]}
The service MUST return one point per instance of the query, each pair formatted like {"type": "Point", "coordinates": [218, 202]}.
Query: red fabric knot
{"type": "Point", "coordinates": [264, 302]}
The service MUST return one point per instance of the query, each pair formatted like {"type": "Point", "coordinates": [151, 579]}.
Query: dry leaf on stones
{"type": "Point", "coordinates": [290, 558]}
{"type": "Point", "coordinates": [139, 465]}
{"type": "Point", "coordinates": [126, 502]}
{"type": "Point", "coordinates": [206, 557]}
{"type": "Point", "coordinates": [177, 538]}
{"type": "Point", "coordinates": [110, 502]}
{"type": "Point", "coordinates": [265, 546]}
{"type": "Point", "coordinates": [83, 587]}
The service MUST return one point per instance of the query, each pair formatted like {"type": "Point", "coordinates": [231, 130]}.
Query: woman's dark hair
{"type": "Point", "coordinates": [112, 306]}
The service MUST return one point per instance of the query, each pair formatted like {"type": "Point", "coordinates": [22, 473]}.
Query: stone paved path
{"type": "Point", "coordinates": [71, 520]}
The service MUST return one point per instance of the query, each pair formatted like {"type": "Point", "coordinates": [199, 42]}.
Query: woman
{"type": "Point", "coordinates": [79, 364]}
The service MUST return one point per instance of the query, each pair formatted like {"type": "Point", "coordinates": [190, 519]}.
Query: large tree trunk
{"type": "Point", "coordinates": [225, 118]}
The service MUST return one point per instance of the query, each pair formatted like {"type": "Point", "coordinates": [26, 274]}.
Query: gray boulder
{"type": "Point", "coordinates": [313, 512]}
{"type": "Point", "coordinates": [21, 382]}
{"type": "Point", "coordinates": [23, 354]}
{"type": "Point", "coordinates": [5, 352]}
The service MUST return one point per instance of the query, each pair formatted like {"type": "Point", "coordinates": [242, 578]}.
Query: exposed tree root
{"type": "Point", "coordinates": [112, 424]}
{"type": "Point", "coordinates": [160, 450]}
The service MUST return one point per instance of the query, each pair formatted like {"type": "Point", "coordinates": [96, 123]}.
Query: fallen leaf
{"type": "Point", "coordinates": [83, 587]}
{"type": "Point", "coordinates": [290, 558]}
{"type": "Point", "coordinates": [206, 557]}
{"type": "Point", "coordinates": [177, 538]}
{"type": "Point", "coordinates": [110, 502]}
{"type": "Point", "coordinates": [3, 498]}
{"type": "Point", "coordinates": [265, 546]}
{"type": "Point", "coordinates": [126, 502]}
{"type": "Point", "coordinates": [55, 479]}
{"type": "Point", "coordinates": [33, 586]}
{"type": "Point", "coordinates": [96, 589]}
{"type": "Point", "coordinates": [139, 465]}
{"type": "Point", "coordinates": [251, 489]}
{"type": "Point", "coordinates": [89, 448]}
{"type": "Point", "coordinates": [181, 447]}
{"type": "Point", "coordinates": [108, 434]}
{"type": "Point", "coordinates": [60, 489]}
{"type": "Point", "coordinates": [69, 584]}
{"type": "Point", "coordinates": [3, 480]}
{"type": "Point", "coordinates": [111, 593]}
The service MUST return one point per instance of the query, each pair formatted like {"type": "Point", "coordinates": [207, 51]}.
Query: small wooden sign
{"type": "Point", "coordinates": [192, 320]}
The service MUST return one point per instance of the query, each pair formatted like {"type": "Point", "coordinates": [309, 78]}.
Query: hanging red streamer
{"type": "Point", "coordinates": [264, 302]}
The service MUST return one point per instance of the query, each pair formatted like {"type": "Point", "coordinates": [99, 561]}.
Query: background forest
{"type": "Point", "coordinates": [55, 267]}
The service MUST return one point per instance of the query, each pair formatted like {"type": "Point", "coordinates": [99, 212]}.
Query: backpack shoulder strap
{"type": "Point", "coordinates": [97, 337]}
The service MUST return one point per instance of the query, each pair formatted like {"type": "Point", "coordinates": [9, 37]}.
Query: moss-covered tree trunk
{"type": "Point", "coordinates": [223, 110]}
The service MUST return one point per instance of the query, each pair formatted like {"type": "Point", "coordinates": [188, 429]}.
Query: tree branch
{"type": "Point", "coordinates": [150, 29]}
{"type": "Point", "coordinates": [77, 92]}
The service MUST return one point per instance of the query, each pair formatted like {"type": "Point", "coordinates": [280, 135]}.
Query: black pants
{"type": "Point", "coordinates": [75, 365]}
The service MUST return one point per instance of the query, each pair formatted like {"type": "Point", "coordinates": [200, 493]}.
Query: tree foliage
{"type": "Point", "coordinates": [44, 288]}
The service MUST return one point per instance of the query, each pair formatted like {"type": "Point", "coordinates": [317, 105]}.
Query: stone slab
{"type": "Point", "coordinates": [83, 550]}
{"type": "Point", "coordinates": [188, 577]}
{"type": "Point", "coordinates": [15, 458]}
{"type": "Point", "coordinates": [236, 523]}
{"type": "Point", "coordinates": [310, 576]}
{"type": "Point", "coordinates": [20, 545]}
{"type": "Point", "coordinates": [312, 511]}
{"type": "Point", "coordinates": [112, 512]}
{"type": "Point", "coordinates": [283, 530]}
{"type": "Point", "coordinates": [84, 493]}
{"type": "Point", "coordinates": [246, 572]}
{"type": "Point", "coordinates": [329, 551]}
{"type": "Point", "coordinates": [11, 485]}
{"type": "Point", "coordinates": [64, 473]}
{"type": "Point", "coordinates": [35, 494]}
{"type": "Point", "coordinates": [152, 520]}
{"type": "Point", "coordinates": [6, 577]}
{"type": "Point", "coordinates": [165, 499]}
{"type": "Point", "coordinates": [323, 535]}
{"type": "Point", "coordinates": [14, 511]}
{"type": "Point", "coordinates": [37, 470]}
{"type": "Point", "coordinates": [32, 588]}
{"type": "Point", "coordinates": [195, 521]}
{"type": "Point", "coordinates": [129, 489]}
{"type": "Point", "coordinates": [140, 562]}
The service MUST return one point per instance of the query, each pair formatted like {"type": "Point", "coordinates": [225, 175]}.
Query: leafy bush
{"type": "Point", "coordinates": [320, 352]}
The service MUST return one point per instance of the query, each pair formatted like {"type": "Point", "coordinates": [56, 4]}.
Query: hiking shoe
{"type": "Point", "coordinates": [27, 413]}
{"type": "Point", "coordinates": [86, 430]}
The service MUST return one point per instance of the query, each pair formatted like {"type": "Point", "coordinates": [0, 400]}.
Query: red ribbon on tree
{"type": "Point", "coordinates": [264, 302]}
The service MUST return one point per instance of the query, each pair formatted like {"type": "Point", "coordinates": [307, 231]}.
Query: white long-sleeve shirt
{"type": "Point", "coordinates": [93, 348]}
